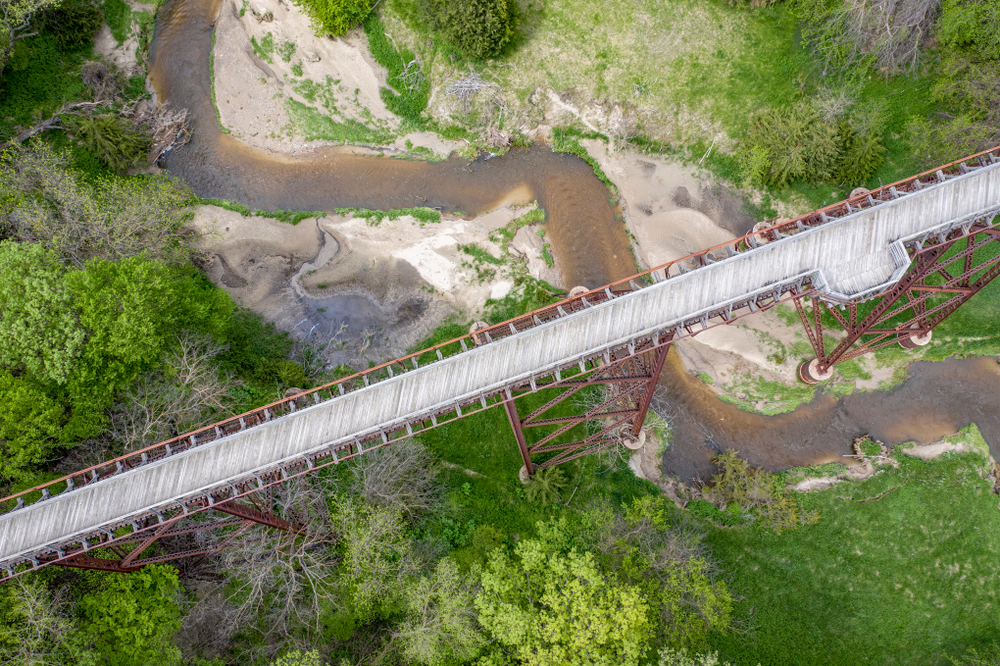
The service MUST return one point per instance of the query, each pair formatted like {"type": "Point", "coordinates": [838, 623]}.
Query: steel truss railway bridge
{"type": "Point", "coordinates": [886, 266]}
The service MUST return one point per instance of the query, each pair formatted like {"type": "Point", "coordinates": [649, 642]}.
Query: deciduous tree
{"type": "Point", "coordinates": [130, 620]}
{"type": "Point", "coordinates": [549, 604]}
{"type": "Point", "coordinates": [39, 330]}
{"type": "Point", "coordinates": [15, 23]}
{"type": "Point", "coordinates": [440, 626]}
{"type": "Point", "coordinates": [43, 200]}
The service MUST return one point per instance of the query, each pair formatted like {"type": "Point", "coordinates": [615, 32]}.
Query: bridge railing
{"type": "Point", "coordinates": [566, 307]}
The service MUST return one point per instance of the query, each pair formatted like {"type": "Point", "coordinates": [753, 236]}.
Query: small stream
{"type": "Point", "coordinates": [593, 248]}
{"type": "Point", "coordinates": [592, 245]}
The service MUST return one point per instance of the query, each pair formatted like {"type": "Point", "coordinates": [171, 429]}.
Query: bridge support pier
{"type": "Point", "coordinates": [615, 414]}
{"type": "Point", "coordinates": [946, 270]}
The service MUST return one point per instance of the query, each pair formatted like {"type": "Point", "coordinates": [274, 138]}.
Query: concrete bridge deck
{"type": "Point", "coordinates": [850, 257]}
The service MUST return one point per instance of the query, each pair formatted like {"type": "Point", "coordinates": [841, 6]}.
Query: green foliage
{"type": "Point", "coordinates": [671, 657]}
{"type": "Point", "coordinates": [74, 23]}
{"type": "Point", "coordinates": [335, 17]}
{"type": "Point", "coordinates": [973, 25]}
{"type": "Point", "coordinates": [566, 141]}
{"type": "Point", "coordinates": [376, 217]}
{"type": "Point", "coordinates": [299, 658]}
{"type": "Point", "coordinates": [130, 620]}
{"type": "Point", "coordinates": [254, 347]}
{"type": "Point", "coordinates": [963, 86]}
{"type": "Point", "coordinates": [733, 515]}
{"type": "Point", "coordinates": [118, 15]}
{"type": "Point", "coordinates": [988, 657]}
{"type": "Point", "coordinates": [405, 100]}
{"type": "Point", "coordinates": [799, 144]}
{"type": "Point", "coordinates": [549, 604]}
{"type": "Point", "coordinates": [480, 254]}
{"type": "Point", "coordinates": [30, 427]}
{"type": "Point", "coordinates": [113, 139]}
{"type": "Point", "coordinates": [291, 373]}
{"type": "Point", "coordinates": [665, 563]}
{"type": "Point", "coordinates": [46, 201]}
{"type": "Point", "coordinates": [377, 558]}
{"type": "Point", "coordinates": [528, 294]}
{"type": "Point", "coordinates": [291, 217]}
{"type": "Point", "coordinates": [312, 124]}
{"type": "Point", "coordinates": [264, 48]}
{"type": "Point", "coordinates": [297, 69]}
{"type": "Point", "coordinates": [758, 492]}
{"type": "Point", "coordinates": [41, 75]}
{"type": "Point", "coordinates": [286, 51]}
{"type": "Point", "coordinates": [887, 561]}
{"type": "Point", "coordinates": [33, 626]}
{"type": "Point", "coordinates": [547, 256]}
{"type": "Point", "coordinates": [439, 626]}
{"type": "Point", "coordinates": [131, 311]}
{"type": "Point", "coordinates": [546, 486]}
{"type": "Point", "coordinates": [38, 329]}
{"type": "Point", "coordinates": [478, 28]}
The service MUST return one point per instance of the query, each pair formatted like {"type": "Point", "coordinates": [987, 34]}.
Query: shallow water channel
{"type": "Point", "coordinates": [593, 247]}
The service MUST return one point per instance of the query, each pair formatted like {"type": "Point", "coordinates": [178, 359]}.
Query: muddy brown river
{"type": "Point", "coordinates": [594, 249]}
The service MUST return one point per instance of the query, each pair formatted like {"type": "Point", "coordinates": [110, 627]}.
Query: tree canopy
{"type": "Point", "coordinates": [548, 604]}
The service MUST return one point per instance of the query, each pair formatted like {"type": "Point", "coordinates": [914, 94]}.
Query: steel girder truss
{"type": "Point", "coordinates": [617, 413]}
{"type": "Point", "coordinates": [945, 272]}
{"type": "Point", "coordinates": [128, 552]}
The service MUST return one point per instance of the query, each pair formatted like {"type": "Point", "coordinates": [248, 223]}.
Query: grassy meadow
{"type": "Point", "coordinates": [900, 569]}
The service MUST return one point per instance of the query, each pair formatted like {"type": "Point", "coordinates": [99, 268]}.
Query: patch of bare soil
{"type": "Point", "coordinates": [357, 291]}
{"type": "Point", "coordinates": [124, 55]}
{"type": "Point", "coordinates": [335, 77]}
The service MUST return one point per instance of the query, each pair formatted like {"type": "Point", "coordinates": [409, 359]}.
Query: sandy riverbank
{"type": "Point", "coordinates": [360, 291]}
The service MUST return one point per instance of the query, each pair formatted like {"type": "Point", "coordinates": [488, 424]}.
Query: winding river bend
{"type": "Point", "coordinates": [594, 249]}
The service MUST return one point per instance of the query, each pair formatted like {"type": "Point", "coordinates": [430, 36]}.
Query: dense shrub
{"type": "Point", "coordinates": [335, 17]}
{"type": "Point", "coordinates": [800, 144]}
{"type": "Point", "coordinates": [113, 139]}
{"type": "Point", "coordinates": [74, 22]}
{"type": "Point", "coordinates": [757, 492]}
{"type": "Point", "coordinates": [973, 24]}
{"type": "Point", "coordinates": [478, 28]}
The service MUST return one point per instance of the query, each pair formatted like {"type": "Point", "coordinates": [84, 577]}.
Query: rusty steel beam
{"type": "Point", "coordinates": [261, 517]}
{"type": "Point", "coordinates": [630, 378]}
{"type": "Point", "coordinates": [906, 309]}
{"type": "Point", "coordinates": [131, 560]}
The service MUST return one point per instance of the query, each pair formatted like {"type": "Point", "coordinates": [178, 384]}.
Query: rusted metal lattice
{"type": "Point", "coordinates": [946, 270]}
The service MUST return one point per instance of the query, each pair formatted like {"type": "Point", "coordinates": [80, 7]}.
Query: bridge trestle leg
{"type": "Point", "coordinates": [615, 413]}
{"type": "Point", "coordinates": [944, 273]}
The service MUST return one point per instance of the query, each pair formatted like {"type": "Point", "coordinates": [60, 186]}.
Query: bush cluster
{"type": "Point", "coordinates": [758, 494]}
{"type": "Point", "coordinates": [799, 144]}
{"type": "Point", "coordinates": [335, 17]}
{"type": "Point", "coordinates": [971, 24]}
{"type": "Point", "coordinates": [477, 28]}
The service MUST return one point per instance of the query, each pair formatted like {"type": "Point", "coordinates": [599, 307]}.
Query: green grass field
{"type": "Point", "coordinates": [900, 569]}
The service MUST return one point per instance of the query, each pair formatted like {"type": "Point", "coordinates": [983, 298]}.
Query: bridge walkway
{"type": "Point", "coordinates": [850, 251]}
